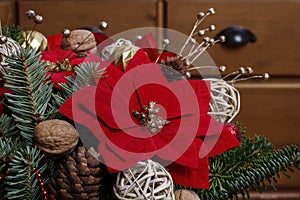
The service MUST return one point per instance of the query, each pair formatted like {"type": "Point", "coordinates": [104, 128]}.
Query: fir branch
{"type": "Point", "coordinates": [7, 147]}
{"type": "Point", "coordinates": [7, 126]}
{"type": "Point", "coordinates": [31, 93]}
{"type": "Point", "coordinates": [85, 74]}
{"type": "Point", "coordinates": [249, 166]}
{"type": "Point", "coordinates": [14, 32]}
{"type": "Point", "coordinates": [7, 151]}
{"type": "Point", "coordinates": [21, 181]}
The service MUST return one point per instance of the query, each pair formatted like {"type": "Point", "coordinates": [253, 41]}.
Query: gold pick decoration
{"type": "Point", "coordinates": [35, 40]}
{"type": "Point", "coordinates": [123, 54]}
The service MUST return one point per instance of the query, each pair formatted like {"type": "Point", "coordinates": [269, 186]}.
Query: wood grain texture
{"type": "Point", "coordinates": [271, 108]}
{"type": "Point", "coordinates": [121, 15]}
{"type": "Point", "coordinates": [273, 22]}
{"type": "Point", "coordinates": [7, 12]}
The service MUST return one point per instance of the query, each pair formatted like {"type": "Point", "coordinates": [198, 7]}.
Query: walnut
{"type": "Point", "coordinates": [79, 41]}
{"type": "Point", "coordinates": [182, 194]}
{"type": "Point", "coordinates": [55, 137]}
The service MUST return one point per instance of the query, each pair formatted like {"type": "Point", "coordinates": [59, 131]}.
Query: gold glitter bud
{"type": "Point", "coordinates": [30, 14]}
{"type": "Point", "coordinates": [103, 25]}
{"type": "Point", "coordinates": [66, 33]}
{"type": "Point", "coordinates": [3, 39]}
{"type": "Point", "coordinates": [38, 19]}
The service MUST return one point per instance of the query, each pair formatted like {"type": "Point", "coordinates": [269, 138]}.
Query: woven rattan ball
{"type": "Point", "coordinates": [183, 194]}
{"type": "Point", "coordinates": [55, 137]}
{"type": "Point", "coordinates": [145, 180]}
{"type": "Point", "coordinates": [8, 48]}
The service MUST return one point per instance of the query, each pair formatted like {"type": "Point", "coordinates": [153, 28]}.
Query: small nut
{"type": "Point", "coordinates": [80, 40]}
{"type": "Point", "coordinates": [55, 137]}
{"type": "Point", "coordinates": [183, 194]}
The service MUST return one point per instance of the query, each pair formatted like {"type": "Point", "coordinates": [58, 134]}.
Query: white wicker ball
{"type": "Point", "coordinates": [145, 181]}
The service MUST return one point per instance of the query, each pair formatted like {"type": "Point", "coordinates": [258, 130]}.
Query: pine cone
{"type": "Point", "coordinates": [174, 69]}
{"type": "Point", "coordinates": [79, 176]}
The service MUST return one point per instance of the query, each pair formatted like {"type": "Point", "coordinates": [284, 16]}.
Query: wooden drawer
{"type": "Point", "coordinates": [7, 12]}
{"type": "Point", "coordinates": [120, 14]}
{"type": "Point", "coordinates": [273, 22]}
{"type": "Point", "coordinates": [271, 108]}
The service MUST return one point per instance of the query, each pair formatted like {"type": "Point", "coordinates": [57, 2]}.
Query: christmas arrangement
{"type": "Point", "coordinates": [84, 116]}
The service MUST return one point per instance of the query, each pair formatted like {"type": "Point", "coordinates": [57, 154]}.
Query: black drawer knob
{"type": "Point", "coordinates": [236, 36]}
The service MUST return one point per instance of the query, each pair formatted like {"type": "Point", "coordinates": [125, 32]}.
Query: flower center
{"type": "Point", "coordinates": [59, 66]}
{"type": "Point", "coordinates": [148, 117]}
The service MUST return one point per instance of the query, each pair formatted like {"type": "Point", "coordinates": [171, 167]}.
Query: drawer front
{"type": "Point", "coordinates": [7, 12]}
{"type": "Point", "coordinates": [121, 15]}
{"type": "Point", "coordinates": [271, 108]}
{"type": "Point", "coordinates": [273, 22]}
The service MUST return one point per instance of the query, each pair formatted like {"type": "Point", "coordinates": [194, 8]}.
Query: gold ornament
{"type": "Point", "coordinates": [149, 118]}
{"type": "Point", "coordinates": [123, 54]}
{"type": "Point", "coordinates": [36, 40]}
{"type": "Point", "coordinates": [59, 66]}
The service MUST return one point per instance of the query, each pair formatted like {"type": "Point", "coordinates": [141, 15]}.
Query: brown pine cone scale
{"type": "Point", "coordinates": [78, 176]}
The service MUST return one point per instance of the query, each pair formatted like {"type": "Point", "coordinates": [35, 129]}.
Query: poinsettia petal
{"type": "Point", "coordinates": [224, 142]}
{"type": "Point", "coordinates": [115, 156]}
{"type": "Point", "coordinates": [117, 160]}
{"type": "Point", "coordinates": [57, 55]}
{"type": "Point", "coordinates": [54, 41]}
{"type": "Point", "coordinates": [180, 141]}
{"type": "Point", "coordinates": [59, 77]}
{"type": "Point", "coordinates": [189, 176]}
{"type": "Point", "coordinates": [178, 98]}
{"type": "Point", "coordinates": [110, 78]}
{"type": "Point", "coordinates": [125, 140]}
{"type": "Point", "coordinates": [148, 44]}
{"type": "Point", "coordinates": [139, 58]}
{"type": "Point", "coordinates": [165, 55]}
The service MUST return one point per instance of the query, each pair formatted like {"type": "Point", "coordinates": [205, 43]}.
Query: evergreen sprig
{"type": "Point", "coordinates": [21, 181]}
{"type": "Point", "coordinates": [85, 74]}
{"type": "Point", "coordinates": [31, 92]}
{"type": "Point", "coordinates": [252, 165]}
{"type": "Point", "coordinates": [14, 32]}
{"type": "Point", "coordinates": [7, 126]}
{"type": "Point", "coordinates": [6, 152]}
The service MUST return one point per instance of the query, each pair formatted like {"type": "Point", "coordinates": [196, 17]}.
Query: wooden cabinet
{"type": "Point", "coordinates": [7, 12]}
{"type": "Point", "coordinates": [273, 22]}
{"type": "Point", "coordinates": [269, 108]}
{"type": "Point", "coordinates": [121, 15]}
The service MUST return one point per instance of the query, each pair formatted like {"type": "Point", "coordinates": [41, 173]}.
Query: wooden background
{"type": "Point", "coordinates": [269, 107]}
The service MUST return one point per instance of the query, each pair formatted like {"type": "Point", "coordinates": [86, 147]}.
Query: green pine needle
{"type": "Point", "coordinates": [30, 91]}
{"type": "Point", "coordinates": [252, 165]}
{"type": "Point", "coordinates": [14, 32]}
{"type": "Point", "coordinates": [85, 74]}
{"type": "Point", "coordinates": [7, 126]}
{"type": "Point", "coordinates": [21, 181]}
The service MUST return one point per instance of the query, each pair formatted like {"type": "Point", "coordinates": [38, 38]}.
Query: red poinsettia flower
{"type": "Point", "coordinates": [122, 114]}
{"type": "Point", "coordinates": [54, 41]}
{"type": "Point", "coordinates": [61, 64]}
